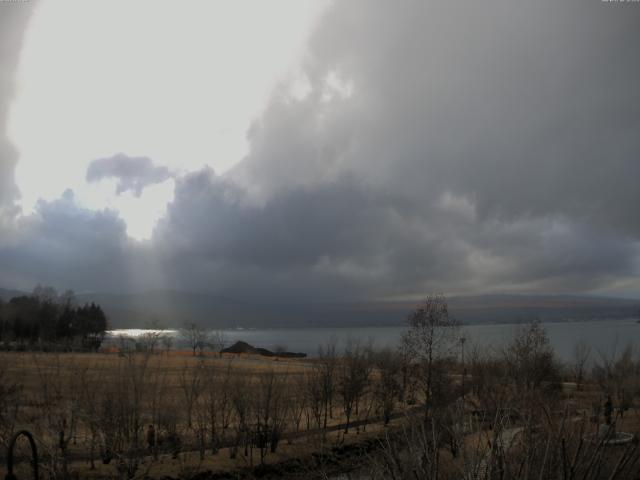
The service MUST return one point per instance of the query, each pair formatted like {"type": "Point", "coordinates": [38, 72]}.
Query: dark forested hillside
{"type": "Point", "coordinates": [172, 309]}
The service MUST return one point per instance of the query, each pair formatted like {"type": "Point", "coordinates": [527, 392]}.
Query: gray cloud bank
{"type": "Point", "coordinates": [485, 146]}
{"type": "Point", "coordinates": [132, 173]}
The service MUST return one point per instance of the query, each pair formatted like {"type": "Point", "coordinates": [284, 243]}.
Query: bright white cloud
{"type": "Point", "coordinates": [177, 82]}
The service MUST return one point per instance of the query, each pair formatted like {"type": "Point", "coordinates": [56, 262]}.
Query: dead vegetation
{"type": "Point", "coordinates": [426, 410]}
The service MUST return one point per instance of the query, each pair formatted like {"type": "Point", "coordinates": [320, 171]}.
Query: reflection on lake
{"type": "Point", "coordinates": [603, 336]}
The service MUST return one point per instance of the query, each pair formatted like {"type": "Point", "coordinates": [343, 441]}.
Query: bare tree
{"type": "Point", "coordinates": [157, 403]}
{"type": "Point", "coordinates": [533, 374]}
{"type": "Point", "coordinates": [201, 424]}
{"type": "Point", "coordinates": [269, 412]}
{"type": "Point", "coordinates": [218, 405]}
{"type": "Point", "coordinates": [89, 395]}
{"type": "Point", "coordinates": [531, 359]}
{"type": "Point", "coordinates": [195, 336]}
{"type": "Point", "coordinates": [167, 342]}
{"type": "Point", "coordinates": [432, 336]}
{"type": "Point", "coordinates": [218, 340]}
{"type": "Point", "coordinates": [326, 366]}
{"type": "Point", "coordinates": [581, 354]}
{"type": "Point", "coordinates": [315, 395]}
{"type": "Point", "coordinates": [407, 387]}
{"type": "Point", "coordinates": [388, 364]}
{"type": "Point", "coordinates": [152, 337]}
{"type": "Point", "coordinates": [191, 381]}
{"type": "Point", "coordinates": [115, 401]}
{"type": "Point", "coordinates": [297, 401]}
{"type": "Point", "coordinates": [487, 376]}
{"type": "Point", "coordinates": [618, 375]}
{"type": "Point", "coordinates": [126, 345]}
{"type": "Point", "coordinates": [556, 450]}
{"type": "Point", "coordinates": [241, 401]}
{"type": "Point", "coordinates": [123, 410]}
{"type": "Point", "coordinates": [354, 375]}
{"type": "Point", "coordinates": [60, 416]}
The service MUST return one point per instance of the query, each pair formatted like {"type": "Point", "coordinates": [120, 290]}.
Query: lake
{"type": "Point", "coordinates": [605, 336]}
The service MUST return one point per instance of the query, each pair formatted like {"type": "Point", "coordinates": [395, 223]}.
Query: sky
{"type": "Point", "coordinates": [321, 150]}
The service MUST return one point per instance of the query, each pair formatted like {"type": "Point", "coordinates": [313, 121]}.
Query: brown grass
{"type": "Point", "coordinates": [64, 371]}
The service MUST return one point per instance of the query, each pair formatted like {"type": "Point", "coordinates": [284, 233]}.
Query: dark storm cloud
{"type": "Point", "coordinates": [65, 245]}
{"type": "Point", "coordinates": [61, 239]}
{"type": "Point", "coordinates": [444, 146]}
{"type": "Point", "coordinates": [341, 240]}
{"type": "Point", "coordinates": [523, 108]}
{"type": "Point", "coordinates": [337, 235]}
{"type": "Point", "coordinates": [526, 116]}
{"type": "Point", "coordinates": [132, 173]}
{"type": "Point", "coordinates": [13, 20]}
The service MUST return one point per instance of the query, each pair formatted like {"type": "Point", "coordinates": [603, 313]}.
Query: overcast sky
{"type": "Point", "coordinates": [330, 151]}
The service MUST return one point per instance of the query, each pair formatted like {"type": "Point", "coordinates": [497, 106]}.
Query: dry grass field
{"type": "Point", "coordinates": [84, 407]}
{"type": "Point", "coordinates": [172, 415]}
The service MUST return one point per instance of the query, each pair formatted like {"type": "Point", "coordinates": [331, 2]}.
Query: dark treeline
{"type": "Point", "coordinates": [46, 320]}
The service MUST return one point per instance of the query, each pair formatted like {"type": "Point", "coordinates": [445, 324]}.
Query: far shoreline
{"type": "Point", "coordinates": [117, 331]}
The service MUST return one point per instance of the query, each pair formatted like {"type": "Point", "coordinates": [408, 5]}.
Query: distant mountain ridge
{"type": "Point", "coordinates": [8, 294]}
{"type": "Point", "coordinates": [173, 308]}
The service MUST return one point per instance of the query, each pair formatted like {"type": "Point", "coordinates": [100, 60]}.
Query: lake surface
{"type": "Point", "coordinates": [605, 336]}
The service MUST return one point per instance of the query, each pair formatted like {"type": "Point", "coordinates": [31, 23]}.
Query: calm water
{"type": "Point", "coordinates": [604, 336]}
